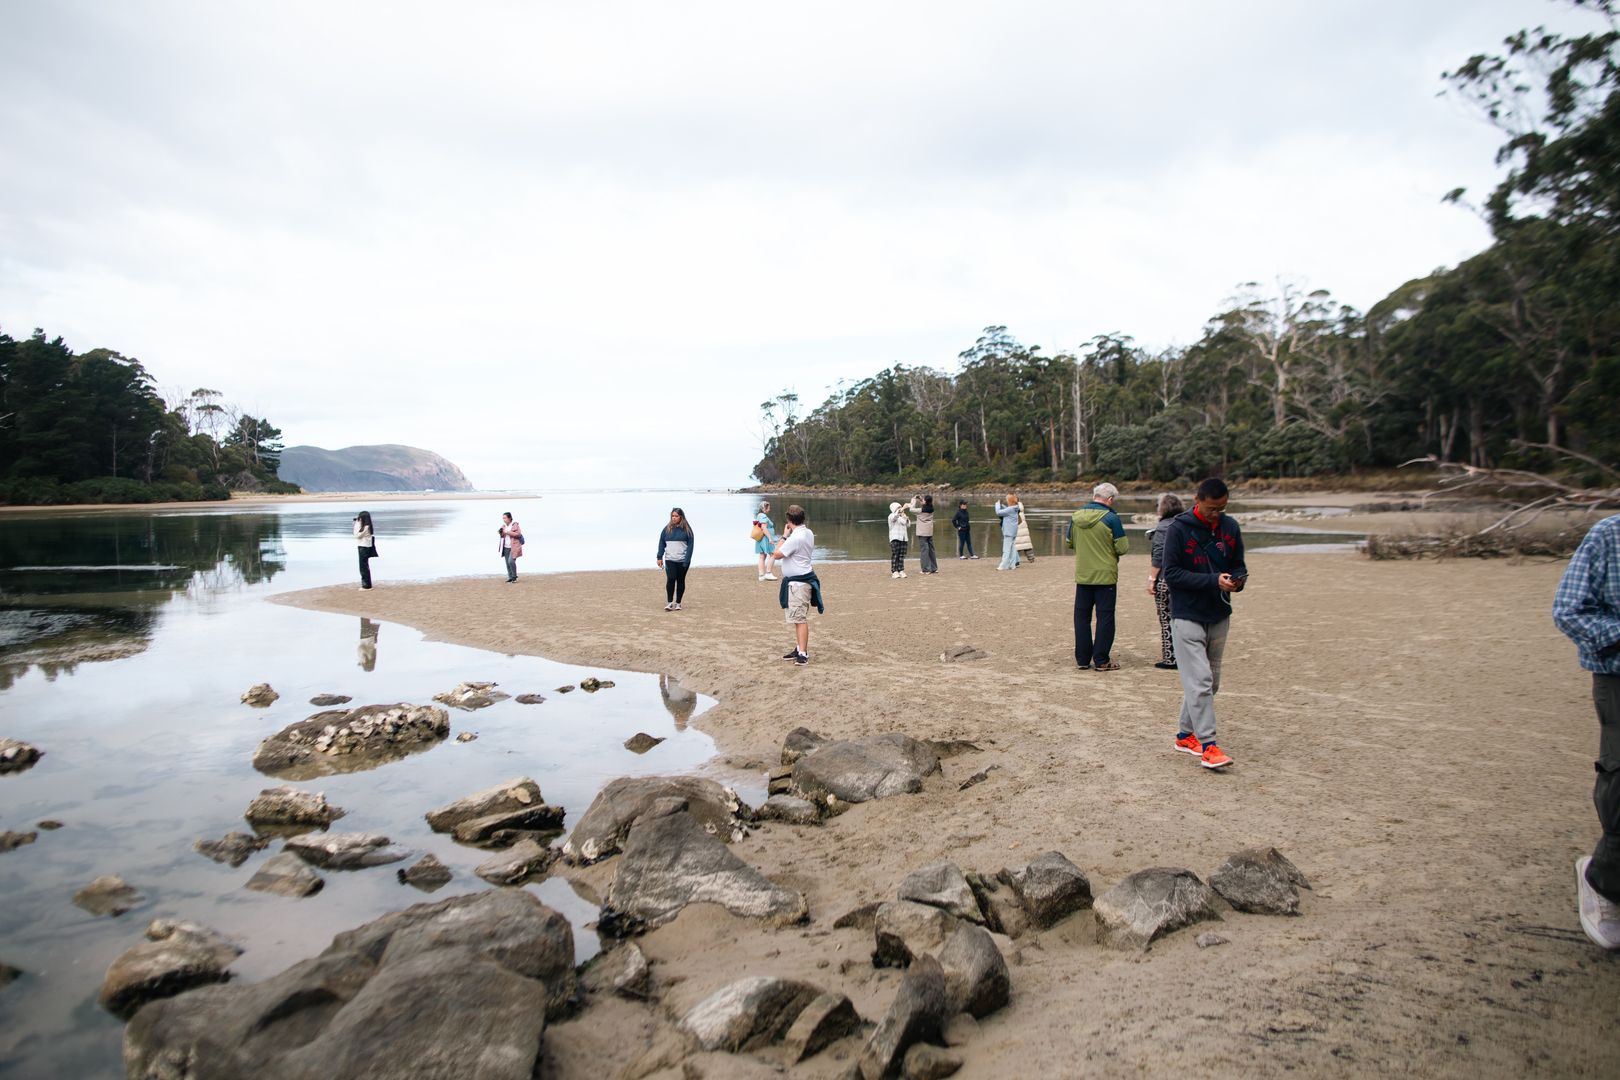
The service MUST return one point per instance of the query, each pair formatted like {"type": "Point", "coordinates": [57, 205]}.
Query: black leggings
{"type": "Point", "coordinates": [675, 580]}
{"type": "Point", "coordinates": [365, 567]}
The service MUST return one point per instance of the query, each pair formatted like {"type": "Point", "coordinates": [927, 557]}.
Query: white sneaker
{"type": "Point", "coordinates": [902, 573]}
{"type": "Point", "coordinates": [769, 577]}
{"type": "Point", "coordinates": [894, 575]}
{"type": "Point", "coordinates": [670, 606]}
{"type": "Point", "coordinates": [677, 607]}
{"type": "Point", "coordinates": [1600, 917]}
{"type": "Point", "coordinates": [762, 577]}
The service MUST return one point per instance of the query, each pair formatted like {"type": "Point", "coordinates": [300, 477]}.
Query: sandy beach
{"type": "Point", "coordinates": [1416, 737]}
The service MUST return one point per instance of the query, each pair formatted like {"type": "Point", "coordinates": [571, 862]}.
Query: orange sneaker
{"type": "Point", "coordinates": [1214, 758]}
{"type": "Point", "coordinates": [1189, 744]}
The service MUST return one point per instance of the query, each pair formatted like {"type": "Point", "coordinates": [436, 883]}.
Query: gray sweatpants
{"type": "Point", "coordinates": [1198, 661]}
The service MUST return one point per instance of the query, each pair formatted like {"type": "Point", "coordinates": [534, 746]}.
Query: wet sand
{"type": "Point", "coordinates": [1416, 737]}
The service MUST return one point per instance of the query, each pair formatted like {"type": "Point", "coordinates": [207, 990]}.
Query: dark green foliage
{"type": "Point", "coordinates": [90, 428]}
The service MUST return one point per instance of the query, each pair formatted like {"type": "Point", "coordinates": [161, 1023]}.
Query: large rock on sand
{"type": "Point", "coordinates": [339, 740]}
{"type": "Point", "coordinates": [1050, 888]}
{"type": "Point", "coordinates": [1150, 903]}
{"type": "Point", "coordinates": [749, 1013]}
{"type": "Point", "coordinates": [942, 885]}
{"type": "Point", "coordinates": [462, 987]}
{"type": "Point", "coordinates": [1260, 880]}
{"type": "Point", "coordinates": [609, 818]}
{"type": "Point", "coordinates": [177, 957]}
{"type": "Point", "coordinates": [860, 770]}
{"type": "Point", "coordinates": [918, 1014]}
{"type": "Point", "coordinates": [670, 861]}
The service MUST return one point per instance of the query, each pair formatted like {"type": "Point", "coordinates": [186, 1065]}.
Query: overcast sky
{"type": "Point", "coordinates": [571, 244]}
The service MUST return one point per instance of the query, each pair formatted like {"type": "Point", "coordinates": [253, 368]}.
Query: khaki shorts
{"type": "Point", "coordinates": [798, 609]}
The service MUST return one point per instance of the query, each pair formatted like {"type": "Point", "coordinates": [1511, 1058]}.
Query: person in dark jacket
{"type": "Point", "coordinates": [1203, 565]}
{"type": "Point", "coordinates": [1158, 588]}
{"type": "Point", "coordinates": [964, 537]}
{"type": "Point", "coordinates": [675, 556]}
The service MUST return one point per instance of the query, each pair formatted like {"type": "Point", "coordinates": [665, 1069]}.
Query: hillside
{"type": "Point", "coordinates": [370, 468]}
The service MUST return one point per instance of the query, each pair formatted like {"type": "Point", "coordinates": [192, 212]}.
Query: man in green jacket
{"type": "Point", "coordinates": [1098, 539]}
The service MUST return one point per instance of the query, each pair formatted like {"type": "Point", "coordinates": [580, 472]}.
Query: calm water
{"type": "Point", "coordinates": [126, 640]}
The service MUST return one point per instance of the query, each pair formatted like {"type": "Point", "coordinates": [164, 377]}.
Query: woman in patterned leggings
{"type": "Point", "coordinates": [1158, 588]}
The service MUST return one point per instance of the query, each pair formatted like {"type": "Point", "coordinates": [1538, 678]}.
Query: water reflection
{"type": "Point", "coordinates": [366, 651]}
{"type": "Point", "coordinates": [678, 700]}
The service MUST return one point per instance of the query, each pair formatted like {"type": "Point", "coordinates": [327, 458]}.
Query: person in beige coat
{"type": "Point", "coordinates": [1022, 542]}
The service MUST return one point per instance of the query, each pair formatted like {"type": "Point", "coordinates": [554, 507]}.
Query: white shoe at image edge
{"type": "Point", "coordinates": [1600, 917]}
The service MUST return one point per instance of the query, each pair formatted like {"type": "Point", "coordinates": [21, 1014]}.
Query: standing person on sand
{"type": "Point", "coordinates": [964, 534]}
{"type": "Point", "coordinates": [1099, 542]}
{"type": "Point", "coordinates": [1022, 541]}
{"type": "Point", "coordinates": [765, 541]}
{"type": "Point", "coordinates": [1203, 563]}
{"type": "Point", "coordinates": [898, 524]}
{"type": "Point", "coordinates": [927, 559]}
{"type": "Point", "coordinates": [365, 540]}
{"type": "Point", "coordinates": [675, 556]}
{"type": "Point", "coordinates": [1009, 532]}
{"type": "Point", "coordinates": [1169, 506]}
{"type": "Point", "coordinates": [1587, 609]}
{"type": "Point", "coordinates": [800, 586]}
{"type": "Point", "coordinates": [511, 545]}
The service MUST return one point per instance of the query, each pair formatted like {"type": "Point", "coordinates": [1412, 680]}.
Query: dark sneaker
{"type": "Point", "coordinates": [801, 659]}
{"type": "Point", "coordinates": [791, 654]}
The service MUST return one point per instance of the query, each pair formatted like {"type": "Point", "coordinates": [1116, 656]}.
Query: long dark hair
{"type": "Point", "coordinates": [685, 524]}
{"type": "Point", "coordinates": [365, 519]}
{"type": "Point", "coordinates": [928, 504]}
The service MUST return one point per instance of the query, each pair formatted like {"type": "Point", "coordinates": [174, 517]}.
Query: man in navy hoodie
{"type": "Point", "coordinates": [1203, 565]}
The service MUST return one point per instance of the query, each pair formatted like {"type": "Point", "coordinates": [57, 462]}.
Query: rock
{"type": "Point", "coordinates": [1259, 880]}
{"type": "Point", "coordinates": [1050, 888]}
{"type": "Point", "coordinates": [286, 874]}
{"type": "Point", "coordinates": [641, 742]}
{"type": "Point", "coordinates": [942, 885]}
{"type": "Point", "coordinates": [949, 748]}
{"type": "Point", "coordinates": [340, 741]}
{"type": "Point", "coordinates": [506, 826]}
{"type": "Point", "coordinates": [471, 695]}
{"type": "Point", "coordinates": [622, 970]}
{"type": "Point", "coordinates": [508, 796]}
{"type": "Point", "coordinates": [426, 873]}
{"type": "Point", "coordinates": [1003, 914]}
{"type": "Point", "coordinates": [15, 755]}
{"type": "Point", "coordinates": [670, 861]}
{"type": "Point", "coordinates": [9, 974]}
{"type": "Point", "coordinates": [825, 1020]}
{"type": "Point", "coordinates": [565, 689]}
{"type": "Point", "coordinates": [977, 778]}
{"type": "Point", "coordinates": [861, 918]}
{"type": "Point", "coordinates": [925, 1062]}
{"type": "Point", "coordinates": [326, 701]}
{"type": "Point", "coordinates": [49, 825]}
{"type": "Point", "coordinates": [178, 957]}
{"type": "Point", "coordinates": [259, 696]}
{"type": "Point", "coordinates": [788, 808]}
{"type": "Point", "coordinates": [860, 770]}
{"type": "Point", "coordinates": [749, 1013]}
{"type": "Point", "coordinates": [517, 864]}
{"type": "Point", "coordinates": [961, 1029]}
{"type": "Point", "coordinates": [1210, 938]}
{"type": "Point", "coordinates": [462, 987]}
{"type": "Point", "coordinates": [918, 1014]}
{"type": "Point", "coordinates": [799, 742]}
{"type": "Point", "coordinates": [779, 780]}
{"type": "Point", "coordinates": [590, 684]}
{"type": "Point", "coordinates": [905, 930]}
{"type": "Point", "coordinates": [107, 895]}
{"type": "Point", "coordinates": [976, 977]}
{"type": "Point", "coordinates": [345, 851]}
{"type": "Point", "coordinates": [233, 847]}
{"type": "Point", "coordinates": [957, 653]}
{"type": "Point", "coordinates": [466, 736]}
{"type": "Point", "coordinates": [11, 841]}
{"type": "Point", "coordinates": [619, 805]}
{"type": "Point", "coordinates": [530, 699]}
{"type": "Point", "coordinates": [1150, 903]}
{"type": "Point", "coordinates": [287, 806]}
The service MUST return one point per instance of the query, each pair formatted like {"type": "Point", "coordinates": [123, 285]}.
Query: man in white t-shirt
{"type": "Point", "coordinates": [800, 586]}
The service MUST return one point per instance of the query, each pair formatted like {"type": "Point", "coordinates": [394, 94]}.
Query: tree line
{"type": "Point", "coordinates": [92, 427]}
{"type": "Point", "coordinates": [1511, 358]}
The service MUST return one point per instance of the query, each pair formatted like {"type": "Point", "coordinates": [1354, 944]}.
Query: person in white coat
{"type": "Point", "coordinates": [899, 526]}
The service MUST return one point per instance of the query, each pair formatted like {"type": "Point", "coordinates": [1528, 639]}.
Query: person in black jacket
{"type": "Point", "coordinates": [964, 538]}
{"type": "Point", "coordinates": [1203, 565]}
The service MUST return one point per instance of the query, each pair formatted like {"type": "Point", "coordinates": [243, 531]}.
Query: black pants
{"type": "Point", "coordinates": [365, 567]}
{"type": "Point", "coordinates": [964, 542]}
{"type": "Point", "coordinates": [1603, 872]}
{"type": "Point", "coordinates": [1101, 597]}
{"type": "Point", "coordinates": [675, 580]}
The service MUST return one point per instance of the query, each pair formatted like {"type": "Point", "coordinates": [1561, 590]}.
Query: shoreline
{"type": "Point", "coordinates": [1350, 770]}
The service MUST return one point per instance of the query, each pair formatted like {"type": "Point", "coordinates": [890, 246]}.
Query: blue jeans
{"type": "Point", "coordinates": [1101, 598]}
{"type": "Point", "coordinates": [964, 542]}
{"type": "Point", "coordinates": [1009, 553]}
{"type": "Point", "coordinates": [511, 564]}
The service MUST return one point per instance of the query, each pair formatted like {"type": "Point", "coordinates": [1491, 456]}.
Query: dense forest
{"type": "Point", "coordinates": [1508, 359]}
{"type": "Point", "coordinates": [91, 427]}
